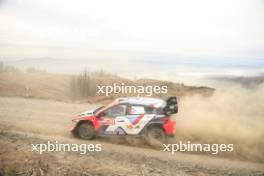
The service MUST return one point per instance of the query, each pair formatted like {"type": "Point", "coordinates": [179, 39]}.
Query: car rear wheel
{"type": "Point", "coordinates": [156, 136]}
{"type": "Point", "coordinates": [86, 131]}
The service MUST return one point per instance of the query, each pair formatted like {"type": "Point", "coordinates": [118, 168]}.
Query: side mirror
{"type": "Point", "coordinates": [101, 115]}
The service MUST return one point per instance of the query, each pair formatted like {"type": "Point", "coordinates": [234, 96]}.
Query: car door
{"type": "Point", "coordinates": [137, 117]}
{"type": "Point", "coordinates": [130, 123]}
{"type": "Point", "coordinates": [108, 120]}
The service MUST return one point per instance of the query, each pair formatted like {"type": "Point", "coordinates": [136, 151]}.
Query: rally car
{"type": "Point", "coordinates": [129, 116]}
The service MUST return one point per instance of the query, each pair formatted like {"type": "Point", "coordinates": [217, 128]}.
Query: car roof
{"type": "Point", "coordinates": [146, 101]}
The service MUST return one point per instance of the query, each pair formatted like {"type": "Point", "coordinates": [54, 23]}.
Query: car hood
{"type": "Point", "coordinates": [91, 111]}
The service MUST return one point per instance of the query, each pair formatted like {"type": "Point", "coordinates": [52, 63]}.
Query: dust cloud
{"type": "Point", "coordinates": [234, 115]}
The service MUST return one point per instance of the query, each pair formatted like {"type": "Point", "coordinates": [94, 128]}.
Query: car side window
{"type": "Point", "coordinates": [119, 110]}
{"type": "Point", "coordinates": [152, 110]}
{"type": "Point", "coordinates": [135, 110]}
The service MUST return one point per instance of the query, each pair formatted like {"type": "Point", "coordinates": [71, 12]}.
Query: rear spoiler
{"type": "Point", "coordinates": [171, 106]}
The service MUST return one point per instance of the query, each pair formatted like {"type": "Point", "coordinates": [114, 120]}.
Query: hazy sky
{"type": "Point", "coordinates": [128, 31]}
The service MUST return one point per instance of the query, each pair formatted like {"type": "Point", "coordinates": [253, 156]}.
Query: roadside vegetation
{"type": "Point", "coordinates": [37, 83]}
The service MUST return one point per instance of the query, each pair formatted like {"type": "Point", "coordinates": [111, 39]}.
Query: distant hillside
{"type": "Point", "coordinates": [58, 87]}
{"type": "Point", "coordinates": [245, 81]}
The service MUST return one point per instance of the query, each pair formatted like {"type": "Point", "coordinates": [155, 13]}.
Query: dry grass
{"type": "Point", "coordinates": [17, 162]}
{"type": "Point", "coordinates": [57, 87]}
{"type": "Point", "coordinates": [39, 85]}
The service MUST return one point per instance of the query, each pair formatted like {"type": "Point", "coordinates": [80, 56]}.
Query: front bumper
{"type": "Point", "coordinates": [73, 126]}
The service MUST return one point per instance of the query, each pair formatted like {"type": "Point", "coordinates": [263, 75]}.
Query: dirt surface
{"type": "Point", "coordinates": [29, 121]}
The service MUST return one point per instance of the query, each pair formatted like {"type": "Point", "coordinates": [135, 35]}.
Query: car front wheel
{"type": "Point", "coordinates": [86, 131]}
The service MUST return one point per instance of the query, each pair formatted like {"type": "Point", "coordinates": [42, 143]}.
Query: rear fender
{"type": "Point", "coordinates": [152, 124]}
{"type": "Point", "coordinates": [169, 127]}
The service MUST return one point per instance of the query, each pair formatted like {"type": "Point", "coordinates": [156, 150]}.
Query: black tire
{"type": "Point", "coordinates": [86, 131]}
{"type": "Point", "coordinates": [155, 136]}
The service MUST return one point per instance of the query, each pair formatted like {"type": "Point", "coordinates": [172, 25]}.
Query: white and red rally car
{"type": "Point", "coordinates": [129, 116]}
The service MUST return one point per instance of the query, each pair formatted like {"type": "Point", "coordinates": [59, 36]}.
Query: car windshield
{"type": "Point", "coordinates": [98, 109]}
